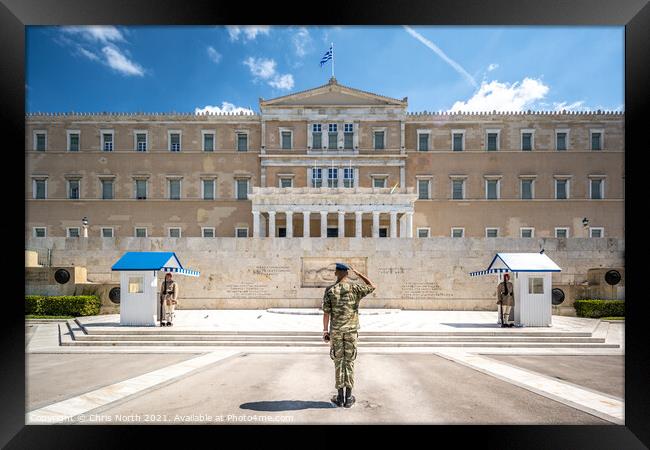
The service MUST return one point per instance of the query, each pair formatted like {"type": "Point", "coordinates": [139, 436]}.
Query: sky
{"type": "Point", "coordinates": [195, 69]}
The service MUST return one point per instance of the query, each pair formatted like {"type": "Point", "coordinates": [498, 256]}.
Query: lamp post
{"type": "Point", "coordinates": [585, 224]}
{"type": "Point", "coordinates": [84, 222]}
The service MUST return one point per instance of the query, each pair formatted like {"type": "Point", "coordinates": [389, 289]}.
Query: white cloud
{"type": "Point", "coordinates": [103, 34]}
{"type": "Point", "coordinates": [492, 66]}
{"type": "Point", "coordinates": [282, 81]}
{"type": "Point", "coordinates": [457, 67]}
{"type": "Point", "coordinates": [495, 96]}
{"type": "Point", "coordinates": [260, 67]}
{"type": "Point", "coordinates": [248, 33]}
{"type": "Point", "coordinates": [87, 53]}
{"type": "Point", "coordinates": [118, 61]}
{"type": "Point", "coordinates": [225, 107]}
{"type": "Point", "coordinates": [214, 55]}
{"type": "Point", "coordinates": [575, 106]}
{"type": "Point", "coordinates": [302, 41]}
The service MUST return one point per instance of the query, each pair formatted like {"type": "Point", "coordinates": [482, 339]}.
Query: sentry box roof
{"type": "Point", "coordinates": [165, 261]}
{"type": "Point", "coordinates": [519, 262]}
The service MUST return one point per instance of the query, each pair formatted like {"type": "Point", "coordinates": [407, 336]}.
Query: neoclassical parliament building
{"type": "Point", "coordinates": [332, 161]}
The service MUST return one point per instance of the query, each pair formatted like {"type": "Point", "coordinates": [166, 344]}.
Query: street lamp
{"type": "Point", "coordinates": [585, 222]}
{"type": "Point", "coordinates": [84, 222]}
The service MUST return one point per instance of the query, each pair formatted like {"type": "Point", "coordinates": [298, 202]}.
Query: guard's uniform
{"type": "Point", "coordinates": [507, 302]}
{"type": "Point", "coordinates": [168, 295]}
{"type": "Point", "coordinates": [341, 301]}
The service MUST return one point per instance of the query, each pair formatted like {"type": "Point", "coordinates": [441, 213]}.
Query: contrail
{"type": "Point", "coordinates": [440, 53]}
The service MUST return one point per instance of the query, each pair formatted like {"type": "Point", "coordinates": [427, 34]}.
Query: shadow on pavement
{"type": "Point", "coordinates": [285, 405]}
{"type": "Point", "coordinates": [472, 325]}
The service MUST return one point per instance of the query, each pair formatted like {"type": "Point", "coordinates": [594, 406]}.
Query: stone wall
{"type": "Point", "coordinates": [410, 273]}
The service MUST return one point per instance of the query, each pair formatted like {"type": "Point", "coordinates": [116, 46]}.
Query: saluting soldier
{"type": "Point", "coordinates": [341, 303]}
{"type": "Point", "coordinates": [506, 299]}
{"type": "Point", "coordinates": [168, 298]}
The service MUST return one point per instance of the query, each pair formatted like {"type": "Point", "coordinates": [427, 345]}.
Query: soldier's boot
{"type": "Point", "coordinates": [349, 398]}
{"type": "Point", "coordinates": [338, 399]}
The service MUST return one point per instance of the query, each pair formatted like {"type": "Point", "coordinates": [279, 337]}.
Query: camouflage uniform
{"type": "Point", "coordinates": [341, 301]}
{"type": "Point", "coordinates": [168, 295]}
{"type": "Point", "coordinates": [507, 302]}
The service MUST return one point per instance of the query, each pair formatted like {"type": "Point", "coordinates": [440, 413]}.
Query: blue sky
{"type": "Point", "coordinates": [214, 68]}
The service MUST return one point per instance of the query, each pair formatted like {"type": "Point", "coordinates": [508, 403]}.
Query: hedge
{"type": "Point", "coordinates": [64, 305]}
{"type": "Point", "coordinates": [600, 308]}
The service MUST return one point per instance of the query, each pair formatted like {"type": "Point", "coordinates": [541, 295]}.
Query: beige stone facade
{"type": "Point", "coordinates": [400, 188]}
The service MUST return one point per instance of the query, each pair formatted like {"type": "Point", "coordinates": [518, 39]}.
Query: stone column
{"type": "Point", "coordinates": [402, 226]}
{"type": "Point", "coordinates": [256, 224]}
{"type": "Point", "coordinates": [323, 224]}
{"type": "Point", "coordinates": [393, 224]}
{"type": "Point", "coordinates": [305, 223]}
{"type": "Point", "coordinates": [358, 216]}
{"type": "Point", "coordinates": [375, 224]}
{"type": "Point", "coordinates": [272, 224]}
{"type": "Point", "coordinates": [402, 179]}
{"type": "Point", "coordinates": [341, 223]}
{"type": "Point", "coordinates": [409, 224]}
{"type": "Point", "coordinates": [289, 216]}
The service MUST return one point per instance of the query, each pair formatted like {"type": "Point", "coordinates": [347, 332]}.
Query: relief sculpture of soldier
{"type": "Point", "coordinates": [341, 304]}
{"type": "Point", "coordinates": [168, 300]}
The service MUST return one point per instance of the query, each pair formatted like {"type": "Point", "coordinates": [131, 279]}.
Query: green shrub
{"type": "Point", "coordinates": [64, 305]}
{"type": "Point", "coordinates": [599, 308]}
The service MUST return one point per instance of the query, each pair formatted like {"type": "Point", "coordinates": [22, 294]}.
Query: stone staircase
{"type": "Point", "coordinates": [73, 333]}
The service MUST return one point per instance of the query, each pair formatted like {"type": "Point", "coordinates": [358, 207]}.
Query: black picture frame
{"type": "Point", "coordinates": [633, 14]}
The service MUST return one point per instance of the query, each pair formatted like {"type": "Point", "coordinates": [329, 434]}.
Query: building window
{"type": "Point", "coordinates": [492, 141]}
{"type": "Point", "coordinates": [332, 232]}
{"type": "Point", "coordinates": [107, 189]}
{"type": "Point", "coordinates": [174, 189]}
{"type": "Point", "coordinates": [282, 231]}
{"type": "Point", "coordinates": [423, 232]}
{"type": "Point", "coordinates": [174, 232]}
{"type": "Point", "coordinates": [526, 232]}
{"type": "Point", "coordinates": [536, 285]}
{"type": "Point", "coordinates": [242, 142]}
{"type": "Point", "coordinates": [208, 189]}
{"type": "Point", "coordinates": [174, 141]}
{"type": "Point", "coordinates": [241, 232]}
{"type": "Point", "coordinates": [40, 141]}
{"type": "Point", "coordinates": [242, 189]}
{"type": "Point", "coordinates": [458, 141]}
{"type": "Point", "coordinates": [40, 232]}
{"type": "Point", "coordinates": [73, 141]}
{"type": "Point", "coordinates": [458, 189]}
{"type": "Point", "coordinates": [596, 188]}
{"type": "Point", "coordinates": [285, 136]}
{"type": "Point", "coordinates": [286, 182]}
{"type": "Point", "coordinates": [107, 141]}
{"type": "Point", "coordinates": [596, 232]}
{"type": "Point", "coordinates": [332, 177]}
{"type": "Point", "coordinates": [348, 177]}
{"type": "Point", "coordinates": [348, 136]}
{"type": "Point", "coordinates": [72, 232]}
{"type": "Point", "coordinates": [596, 140]}
{"type": "Point", "coordinates": [332, 136]}
{"type": "Point", "coordinates": [140, 142]}
{"type": "Point", "coordinates": [379, 140]}
{"type": "Point", "coordinates": [107, 232]}
{"type": "Point", "coordinates": [40, 189]}
{"type": "Point", "coordinates": [423, 141]}
{"type": "Point", "coordinates": [561, 189]}
{"type": "Point", "coordinates": [73, 189]}
{"type": "Point", "coordinates": [208, 142]}
{"type": "Point", "coordinates": [527, 189]}
{"type": "Point", "coordinates": [561, 140]}
{"type": "Point", "coordinates": [492, 189]}
{"type": "Point", "coordinates": [379, 182]}
{"type": "Point", "coordinates": [141, 232]}
{"type": "Point", "coordinates": [316, 136]}
{"type": "Point", "coordinates": [317, 177]}
{"type": "Point", "coordinates": [141, 189]}
{"type": "Point", "coordinates": [424, 186]}
{"type": "Point", "coordinates": [458, 232]}
{"type": "Point", "coordinates": [207, 232]}
{"type": "Point", "coordinates": [491, 232]}
{"type": "Point", "coordinates": [561, 232]}
{"type": "Point", "coordinates": [136, 285]}
{"type": "Point", "coordinates": [383, 232]}
{"type": "Point", "coordinates": [526, 141]}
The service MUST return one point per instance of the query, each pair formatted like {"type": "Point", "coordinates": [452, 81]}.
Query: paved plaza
{"type": "Point", "coordinates": [292, 384]}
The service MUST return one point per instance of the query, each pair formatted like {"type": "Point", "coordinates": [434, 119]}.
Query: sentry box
{"type": "Point", "coordinates": [531, 281]}
{"type": "Point", "coordinates": [139, 299]}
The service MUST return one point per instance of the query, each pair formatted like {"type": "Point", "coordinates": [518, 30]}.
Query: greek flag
{"type": "Point", "coordinates": [327, 57]}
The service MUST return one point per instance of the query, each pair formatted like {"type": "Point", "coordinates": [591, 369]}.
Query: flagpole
{"type": "Point", "coordinates": [332, 59]}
